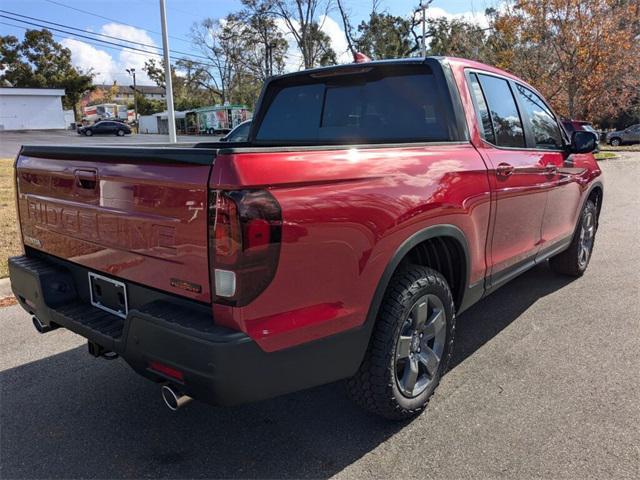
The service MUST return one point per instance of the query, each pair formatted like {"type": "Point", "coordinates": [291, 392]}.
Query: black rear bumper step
{"type": "Point", "coordinates": [219, 365]}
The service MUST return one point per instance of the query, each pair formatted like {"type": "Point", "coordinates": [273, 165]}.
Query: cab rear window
{"type": "Point", "coordinates": [402, 104]}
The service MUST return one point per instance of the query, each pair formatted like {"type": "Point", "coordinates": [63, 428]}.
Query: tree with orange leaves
{"type": "Point", "coordinates": [583, 55]}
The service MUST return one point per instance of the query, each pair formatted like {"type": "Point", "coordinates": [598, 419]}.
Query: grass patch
{"type": "Point", "coordinates": [9, 241]}
{"type": "Point", "coordinates": [605, 155]}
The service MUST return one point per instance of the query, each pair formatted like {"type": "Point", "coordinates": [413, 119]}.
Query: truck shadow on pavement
{"type": "Point", "coordinates": [71, 416]}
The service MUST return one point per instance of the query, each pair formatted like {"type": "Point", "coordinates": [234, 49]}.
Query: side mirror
{"type": "Point", "coordinates": [583, 142]}
{"type": "Point", "coordinates": [224, 139]}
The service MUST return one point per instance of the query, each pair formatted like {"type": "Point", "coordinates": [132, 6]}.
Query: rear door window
{"type": "Point", "coordinates": [505, 117]}
{"type": "Point", "coordinates": [400, 105]}
{"type": "Point", "coordinates": [486, 130]}
{"type": "Point", "coordinates": [546, 132]}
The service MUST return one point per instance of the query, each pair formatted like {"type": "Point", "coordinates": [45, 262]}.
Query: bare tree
{"type": "Point", "coordinates": [418, 19]}
{"type": "Point", "coordinates": [220, 41]}
{"type": "Point", "coordinates": [265, 45]}
{"type": "Point", "coordinates": [348, 29]}
{"type": "Point", "coordinates": [301, 18]}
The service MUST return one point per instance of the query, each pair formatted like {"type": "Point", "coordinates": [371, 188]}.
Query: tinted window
{"type": "Point", "coordinates": [403, 106]}
{"type": "Point", "coordinates": [293, 114]}
{"type": "Point", "coordinates": [486, 130]}
{"type": "Point", "coordinates": [504, 113]}
{"type": "Point", "coordinates": [240, 133]}
{"type": "Point", "coordinates": [545, 129]}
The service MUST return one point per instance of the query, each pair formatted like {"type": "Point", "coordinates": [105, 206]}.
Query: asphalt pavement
{"type": "Point", "coordinates": [544, 384]}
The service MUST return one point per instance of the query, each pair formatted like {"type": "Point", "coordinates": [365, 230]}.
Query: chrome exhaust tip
{"type": "Point", "coordinates": [174, 399]}
{"type": "Point", "coordinates": [42, 327]}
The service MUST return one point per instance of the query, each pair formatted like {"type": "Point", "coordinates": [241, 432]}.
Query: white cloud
{"type": "Point", "coordinates": [293, 60]}
{"type": "Point", "coordinates": [88, 57]}
{"type": "Point", "coordinates": [112, 66]}
{"type": "Point", "coordinates": [478, 18]}
{"type": "Point", "coordinates": [338, 39]}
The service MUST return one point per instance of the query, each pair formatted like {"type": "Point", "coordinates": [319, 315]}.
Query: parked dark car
{"type": "Point", "coordinates": [628, 135]}
{"type": "Point", "coordinates": [238, 134]}
{"type": "Point", "coordinates": [110, 127]}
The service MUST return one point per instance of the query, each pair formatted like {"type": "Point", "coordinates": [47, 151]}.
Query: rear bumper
{"type": "Point", "coordinates": [219, 366]}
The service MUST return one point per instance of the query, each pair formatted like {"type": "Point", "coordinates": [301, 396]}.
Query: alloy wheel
{"type": "Point", "coordinates": [420, 346]}
{"type": "Point", "coordinates": [587, 234]}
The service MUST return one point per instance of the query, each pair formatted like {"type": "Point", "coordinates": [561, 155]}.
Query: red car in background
{"type": "Point", "coordinates": [371, 204]}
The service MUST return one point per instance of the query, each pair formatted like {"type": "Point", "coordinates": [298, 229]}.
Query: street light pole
{"type": "Point", "coordinates": [132, 72]}
{"type": "Point", "coordinates": [424, 33]}
{"type": "Point", "coordinates": [171, 118]}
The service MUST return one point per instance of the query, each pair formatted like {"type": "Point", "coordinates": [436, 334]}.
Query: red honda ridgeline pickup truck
{"type": "Point", "coordinates": [371, 203]}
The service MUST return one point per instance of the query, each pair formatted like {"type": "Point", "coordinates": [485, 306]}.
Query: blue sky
{"type": "Point", "coordinates": [139, 20]}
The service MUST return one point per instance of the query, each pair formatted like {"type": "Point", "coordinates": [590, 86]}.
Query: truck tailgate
{"type": "Point", "coordinates": [135, 213]}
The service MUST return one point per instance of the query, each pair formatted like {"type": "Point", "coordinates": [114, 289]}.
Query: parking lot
{"type": "Point", "coordinates": [544, 383]}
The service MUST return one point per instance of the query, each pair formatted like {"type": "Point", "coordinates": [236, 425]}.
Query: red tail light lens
{"type": "Point", "coordinates": [245, 229]}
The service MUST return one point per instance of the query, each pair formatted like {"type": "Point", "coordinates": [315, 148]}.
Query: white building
{"type": "Point", "coordinates": [157, 123]}
{"type": "Point", "coordinates": [31, 109]}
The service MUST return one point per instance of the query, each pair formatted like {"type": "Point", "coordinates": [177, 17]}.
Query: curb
{"type": "Point", "coordinates": [5, 288]}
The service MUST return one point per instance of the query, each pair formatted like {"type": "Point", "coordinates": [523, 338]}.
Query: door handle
{"type": "Point", "coordinates": [551, 170]}
{"type": "Point", "coordinates": [504, 170]}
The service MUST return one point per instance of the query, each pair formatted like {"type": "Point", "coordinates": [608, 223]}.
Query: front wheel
{"type": "Point", "coordinates": [574, 260]}
{"type": "Point", "coordinates": [410, 346]}
{"type": "Point", "coordinates": [615, 142]}
{"type": "Point", "coordinates": [120, 133]}
{"type": "Point", "coordinates": [88, 133]}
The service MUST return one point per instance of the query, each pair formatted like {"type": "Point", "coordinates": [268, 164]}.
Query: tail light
{"type": "Point", "coordinates": [245, 229]}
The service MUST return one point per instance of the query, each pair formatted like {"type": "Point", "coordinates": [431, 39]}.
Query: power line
{"type": "Point", "coordinates": [113, 74]}
{"type": "Point", "coordinates": [113, 20]}
{"type": "Point", "coordinates": [106, 42]}
{"type": "Point", "coordinates": [98, 34]}
{"type": "Point", "coordinates": [67, 38]}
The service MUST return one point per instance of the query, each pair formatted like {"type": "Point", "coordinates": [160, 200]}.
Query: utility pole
{"type": "Point", "coordinates": [423, 7]}
{"type": "Point", "coordinates": [267, 52]}
{"type": "Point", "coordinates": [132, 72]}
{"type": "Point", "coordinates": [171, 116]}
{"type": "Point", "coordinates": [268, 60]}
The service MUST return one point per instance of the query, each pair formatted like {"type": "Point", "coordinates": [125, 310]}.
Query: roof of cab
{"type": "Point", "coordinates": [402, 61]}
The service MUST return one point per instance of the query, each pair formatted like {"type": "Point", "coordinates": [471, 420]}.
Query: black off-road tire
{"type": "Point", "coordinates": [375, 387]}
{"type": "Point", "coordinates": [568, 262]}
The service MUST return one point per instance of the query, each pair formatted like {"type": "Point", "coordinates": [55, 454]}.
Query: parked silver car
{"type": "Point", "coordinates": [628, 135]}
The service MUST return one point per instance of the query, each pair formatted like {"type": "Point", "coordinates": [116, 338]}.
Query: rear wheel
{"type": "Point", "coordinates": [575, 259]}
{"type": "Point", "coordinates": [410, 346]}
